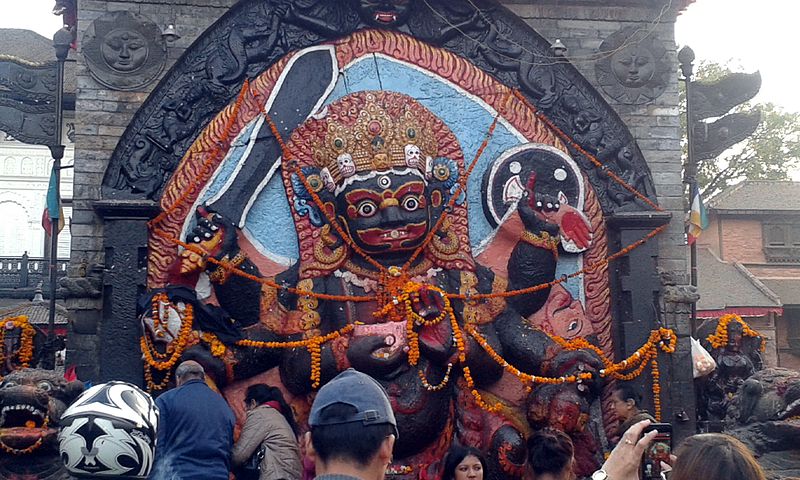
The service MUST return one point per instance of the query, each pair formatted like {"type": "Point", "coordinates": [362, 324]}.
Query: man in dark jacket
{"type": "Point", "coordinates": [195, 433]}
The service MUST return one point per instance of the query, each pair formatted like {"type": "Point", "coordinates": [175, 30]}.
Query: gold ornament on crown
{"type": "Point", "coordinates": [374, 138]}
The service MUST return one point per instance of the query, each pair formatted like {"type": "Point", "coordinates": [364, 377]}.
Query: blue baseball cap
{"type": "Point", "coordinates": [358, 390]}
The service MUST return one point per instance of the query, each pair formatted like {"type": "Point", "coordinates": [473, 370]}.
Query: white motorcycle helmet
{"type": "Point", "coordinates": [110, 431]}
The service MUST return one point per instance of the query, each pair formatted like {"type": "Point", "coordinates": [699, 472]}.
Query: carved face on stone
{"type": "Point", "coordinates": [735, 335]}
{"type": "Point", "coordinates": [562, 315]}
{"type": "Point", "coordinates": [633, 66]}
{"type": "Point", "coordinates": [164, 331]}
{"type": "Point", "coordinates": [32, 402]}
{"type": "Point", "coordinates": [124, 50]}
{"type": "Point", "coordinates": [385, 211]}
{"type": "Point", "coordinates": [384, 13]}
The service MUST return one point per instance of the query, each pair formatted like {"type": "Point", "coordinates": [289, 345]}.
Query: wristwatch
{"type": "Point", "coordinates": [600, 475]}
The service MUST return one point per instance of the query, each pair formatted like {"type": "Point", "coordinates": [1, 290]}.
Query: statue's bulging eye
{"type": "Point", "coordinates": [9, 384]}
{"type": "Point", "coordinates": [367, 208]}
{"type": "Point", "coordinates": [410, 203]}
{"type": "Point", "coordinates": [572, 326]}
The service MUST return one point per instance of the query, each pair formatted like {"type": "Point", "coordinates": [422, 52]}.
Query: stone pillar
{"type": "Point", "coordinates": [637, 291]}
{"type": "Point", "coordinates": [124, 280]}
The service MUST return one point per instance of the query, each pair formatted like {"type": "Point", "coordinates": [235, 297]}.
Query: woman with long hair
{"type": "Point", "coordinates": [462, 463]}
{"type": "Point", "coordinates": [270, 426]}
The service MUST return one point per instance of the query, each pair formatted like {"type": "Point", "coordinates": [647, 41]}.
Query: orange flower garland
{"type": "Point", "coordinates": [24, 354]}
{"type": "Point", "coordinates": [314, 346]}
{"type": "Point", "coordinates": [719, 339]}
{"type": "Point", "coordinates": [156, 360]}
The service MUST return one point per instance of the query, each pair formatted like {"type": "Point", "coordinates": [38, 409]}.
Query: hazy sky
{"type": "Point", "coordinates": [756, 35]}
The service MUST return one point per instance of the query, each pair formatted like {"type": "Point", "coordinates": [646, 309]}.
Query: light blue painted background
{"type": "Point", "coordinates": [269, 222]}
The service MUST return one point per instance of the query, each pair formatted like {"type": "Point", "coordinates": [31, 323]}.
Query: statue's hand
{"type": "Point", "coordinates": [576, 362]}
{"type": "Point", "coordinates": [536, 210]}
{"type": "Point", "coordinates": [213, 236]}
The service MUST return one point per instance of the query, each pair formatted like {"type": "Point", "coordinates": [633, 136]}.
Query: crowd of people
{"type": "Point", "coordinates": [353, 431]}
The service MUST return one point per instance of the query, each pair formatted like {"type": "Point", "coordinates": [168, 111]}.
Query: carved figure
{"type": "Point", "coordinates": [20, 344]}
{"type": "Point", "coordinates": [31, 404]}
{"type": "Point", "coordinates": [381, 255]}
{"type": "Point", "coordinates": [764, 415]}
{"type": "Point", "coordinates": [736, 350]}
{"type": "Point", "coordinates": [124, 50]}
{"type": "Point", "coordinates": [632, 68]}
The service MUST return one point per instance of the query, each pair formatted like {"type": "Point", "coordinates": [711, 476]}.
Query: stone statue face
{"type": "Point", "coordinates": [633, 66]}
{"type": "Point", "coordinates": [384, 13]}
{"type": "Point", "coordinates": [124, 50]}
{"type": "Point", "coordinates": [735, 335]}
{"type": "Point", "coordinates": [386, 212]}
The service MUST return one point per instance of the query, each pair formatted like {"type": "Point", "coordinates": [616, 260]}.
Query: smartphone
{"type": "Point", "coordinates": [658, 451]}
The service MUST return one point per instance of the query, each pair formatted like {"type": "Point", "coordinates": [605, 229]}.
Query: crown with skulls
{"type": "Point", "coordinates": [377, 131]}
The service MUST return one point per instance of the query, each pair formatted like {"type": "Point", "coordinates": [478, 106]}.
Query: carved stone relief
{"type": "Point", "coordinates": [124, 50]}
{"type": "Point", "coordinates": [632, 68]}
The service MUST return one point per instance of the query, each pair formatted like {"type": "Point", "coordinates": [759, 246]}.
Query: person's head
{"type": "Point", "coordinates": [353, 428]}
{"type": "Point", "coordinates": [462, 463]}
{"type": "Point", "coordinates": [550, 455]}
{"type": "Point", "coordinates": [715, 456]}
{"type": "Point", "coordinates": [189, 370]}
{"type": "Point", "coordinates": [261, 393]}
{"type": "Point", "coordinates": [627, 400]}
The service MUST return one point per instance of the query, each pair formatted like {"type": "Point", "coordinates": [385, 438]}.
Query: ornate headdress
{"type": "Point", "coordinates": [360, 134]}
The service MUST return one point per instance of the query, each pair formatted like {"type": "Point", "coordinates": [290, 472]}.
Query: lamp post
{"type": "Point", "coordinates": [685, 58]}
{"type": "Point", "coordinates": [62, 41]}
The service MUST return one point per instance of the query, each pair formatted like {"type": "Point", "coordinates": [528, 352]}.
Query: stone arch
{"type": "Point", "coordinates": [182, 104]}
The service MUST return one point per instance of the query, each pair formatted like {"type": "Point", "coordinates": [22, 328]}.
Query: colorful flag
{"type": "Point", "coordinates": [698, 219]}
{"type": "Point", "coordinates": [52, 208]}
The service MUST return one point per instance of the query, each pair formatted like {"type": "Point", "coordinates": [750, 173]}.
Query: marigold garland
{"type": "Point", "coordinates": [719, 339]}
{"type": "Point", "coordinates": [165, 361]}
{"type": "Point", "coordinates": [403, 298]}
{"type": "Point", "coordinates": [313, 344]}
{"type": "Point", "coordinates": [24, 353]}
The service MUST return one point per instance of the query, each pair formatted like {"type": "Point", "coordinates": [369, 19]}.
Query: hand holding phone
{"type": "Point", "coordinates": [658, 451]}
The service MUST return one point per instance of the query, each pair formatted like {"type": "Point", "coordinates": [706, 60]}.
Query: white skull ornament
{"type": "Point", "coordinates": [346, 166]}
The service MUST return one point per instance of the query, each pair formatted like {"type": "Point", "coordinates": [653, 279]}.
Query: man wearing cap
{"type": "Point", "coordinates": [353, 429]}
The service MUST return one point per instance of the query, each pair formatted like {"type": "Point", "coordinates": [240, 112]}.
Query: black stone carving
{"type": "Point", "coordinates": [716, 98]}
{"type": "Point", "coordinates": [254, 34]}
{"type": "Point", "coordinates": [290, 107]}
{"type": "Point", "coordinates": [633, 67]}
{"type": "Point", "coordinates": [124, 50]}
{"type": "Point", "coordinates": [28, 101]}
{"type": "Point", "coordinates": [711, 139]}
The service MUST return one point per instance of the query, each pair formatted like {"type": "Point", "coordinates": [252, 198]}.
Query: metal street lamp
{"type": "Point", "coordinates": [62, 41]}
{"type": "Point", "coordinates": [685, 58]}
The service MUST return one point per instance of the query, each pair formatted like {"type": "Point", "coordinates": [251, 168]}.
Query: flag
{"type": "Point", "coordinates": [698, 219]}
{"type": "Point", "coordinates": [52, 208]}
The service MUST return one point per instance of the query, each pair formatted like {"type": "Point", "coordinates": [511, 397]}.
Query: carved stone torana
{"type": "Point", "coordinates": [28, 101]}
{"type": "Point", "coordinates": [124, 50]}
{"type": "Point", "coordinates": [255, 34]}
{"type": "Point", "coordinates": [633, 67]}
